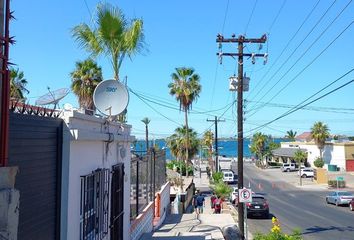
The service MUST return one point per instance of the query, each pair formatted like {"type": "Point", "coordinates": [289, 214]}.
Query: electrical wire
{"type": "Point", "coordinates": [276, 17]}
{"type": "Point", "coordinates": [308, 65]}
{"type": "Point", "coordinates": [250, 18]}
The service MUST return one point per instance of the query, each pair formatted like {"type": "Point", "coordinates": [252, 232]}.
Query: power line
{"type": "Point", "coordinates": [285, 48]}
{"type": "Point", "coordinates": [300, 107]}
{"type": "Point", "coordinates": [308, 65]}
{"type": "Point", "coordinates": [276, 17]}
{"type": "Point", "coordinates": [250, 18]}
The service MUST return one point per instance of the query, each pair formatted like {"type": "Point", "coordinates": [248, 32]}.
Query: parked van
{"type": "Point", "coordinates": [229, 177]}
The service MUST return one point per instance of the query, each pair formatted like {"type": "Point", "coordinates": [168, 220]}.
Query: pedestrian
{"type": "Point", "coordinates": [199, 204]}
{"type": "Point", "coordinates": [217, 205]}
{"type": "Point", "coordinates": [212, 198]}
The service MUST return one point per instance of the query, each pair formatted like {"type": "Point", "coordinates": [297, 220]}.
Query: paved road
{"type": "Point", "coordinates": [297, 208]}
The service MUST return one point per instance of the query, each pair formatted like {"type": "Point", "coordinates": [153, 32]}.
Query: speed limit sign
{"type": "Point", "coordinates": [245, 195]}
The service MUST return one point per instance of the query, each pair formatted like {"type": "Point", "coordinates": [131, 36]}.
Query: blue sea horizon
{"type": "Point", "coordinates": [227, 148]}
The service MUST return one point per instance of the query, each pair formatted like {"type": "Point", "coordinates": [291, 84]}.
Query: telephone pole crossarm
{"type": "Point", "coordinates": [242, 55]}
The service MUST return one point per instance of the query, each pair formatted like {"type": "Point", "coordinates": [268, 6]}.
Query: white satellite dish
{"type": "Point", "coordinates": [53, 97]}
{"type": "Point", "coordinates": [111, 97]}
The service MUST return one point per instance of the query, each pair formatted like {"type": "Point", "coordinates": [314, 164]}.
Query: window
{"type": "Point", "coordinates": [94, 205]}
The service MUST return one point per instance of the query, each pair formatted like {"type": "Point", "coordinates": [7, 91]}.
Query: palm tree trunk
{"type": "Point", "coordinates": [187, 140]}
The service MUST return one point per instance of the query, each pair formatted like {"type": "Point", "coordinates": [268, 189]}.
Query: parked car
{"type": "Point", "coordinates": [234, 195]}
{"type": "Point", "coordinates": [305, 172]}
{"type": "Point", "coordinates": [228, 177]}
{"type": "Point", "coordinates": [339, 197]}
{"type": "Point", "coordinates": [287, 167]}
{"type": "Point", "coordinates": [351, 205]}
{"type": "Point", "coordinates": [258, 207]}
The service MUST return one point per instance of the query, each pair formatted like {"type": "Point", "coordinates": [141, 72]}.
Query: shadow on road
{"type": "Point", "coordinates": [316, 229]}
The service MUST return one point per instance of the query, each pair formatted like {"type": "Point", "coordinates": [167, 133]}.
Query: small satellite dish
{"type": "Point", "coordinates": [53, 97]}
{"type": "Point", "coordinates": [111, 97]}
{"type": "Point", "coordinates": [68, 107]}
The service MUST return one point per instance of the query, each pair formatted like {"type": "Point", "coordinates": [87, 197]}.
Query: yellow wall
{"type": "Point", "coordinates": [349, 151]}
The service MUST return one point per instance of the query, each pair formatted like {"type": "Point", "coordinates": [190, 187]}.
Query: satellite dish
{"type": "Point", "coordinates": [53, 97]}
{"type": "Point", "coordinates": [111, 97]}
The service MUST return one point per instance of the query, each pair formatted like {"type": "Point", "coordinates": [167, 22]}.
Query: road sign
{"type": "Point", "coordinates": [245, 195]}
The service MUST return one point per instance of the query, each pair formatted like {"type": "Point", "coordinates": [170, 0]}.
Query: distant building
{"type": "Point", "coordinates": [304, 137]}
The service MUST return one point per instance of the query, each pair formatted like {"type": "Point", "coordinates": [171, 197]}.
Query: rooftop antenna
{"type": "Point", "coordinates": [53, 97]}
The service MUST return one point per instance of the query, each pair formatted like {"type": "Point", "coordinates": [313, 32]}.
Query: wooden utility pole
{"type": "Point", "coordinates": [240, 40]}
{"type": "Point", "coordinates": [216, 120]}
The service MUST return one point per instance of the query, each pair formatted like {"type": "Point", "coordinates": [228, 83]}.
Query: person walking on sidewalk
{"type": "Point", "coordinates": [217, 205]}
{"type": "Point", "coordinates": [199, 203]}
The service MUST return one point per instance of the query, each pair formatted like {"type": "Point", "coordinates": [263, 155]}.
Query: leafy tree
{"type": "Point", "coordinates": [222, 190]}
{"type": "Point", "coordinates": [177, 144]}
{"type": "Point", "coordinates": [186, 88]}
{"type": "Point", "coordinates": [85, 78]}
{"type": "Point", "coordinates": [259, 141]}
{"type": "Point", "coordinates": [217, 177]}
{"type": "Point", "coordinates": [113, 36]}
{"type": "Point", "coordinates": [146, 121]}
{"type": "Point", "coordinates": [300, 157]}
{"type": "Point", "coordinates": [290, 135]}
{"type": "Point", "coordinates": [320, 132]}
{"type": "Point", "coordinates": [17, 85]}
{"type": "Point", "coordinates": [208, 138]}
{"type": "Point", "coordinates": [319, 163]}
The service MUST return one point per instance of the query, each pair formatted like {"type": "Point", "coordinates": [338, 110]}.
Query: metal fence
{"type": "Point", "coordinates": [148, 174]}
{"type": "Point", "coordinates": [94, 205]}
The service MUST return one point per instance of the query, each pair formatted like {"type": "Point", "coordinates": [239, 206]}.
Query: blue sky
{"type": "Point", "coordinates": [183, 33]}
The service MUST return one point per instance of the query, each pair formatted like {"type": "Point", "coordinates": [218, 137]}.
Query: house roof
{"type": "Point", "coordinates": [286, 152]}
{"type": "Point", "coordinates": [304, 136]}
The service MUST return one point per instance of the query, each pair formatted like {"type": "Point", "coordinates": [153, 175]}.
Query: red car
{"type": "Point", "coordinates": [351, 205]}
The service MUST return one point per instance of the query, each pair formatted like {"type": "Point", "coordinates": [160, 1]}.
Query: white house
{"type": "Point", "coordinates": [96, 172]}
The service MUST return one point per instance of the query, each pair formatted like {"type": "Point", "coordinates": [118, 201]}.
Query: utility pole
{"type": "Point", "coordinates": [216, 120]}
{"type": "Point", "coordinates": [240, 41]}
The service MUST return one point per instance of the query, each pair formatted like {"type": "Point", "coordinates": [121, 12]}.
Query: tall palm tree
{"type": "Point", "coordinates": [113, 36]}
{"type": "Point", "coordinates": [290, 135]}
{"type": "Point", "coordinates": [86, 76]}
{"type": "Point", "coordinates": [320, 132]}
{"type": "Point", "coordinates": [186, 88]}
{"type": "Point", "coordinates": [146, 121]}
{"type": "Point", "coordinates": [17, 85]}
{"type": "Point", "coordinates": [208, 138]}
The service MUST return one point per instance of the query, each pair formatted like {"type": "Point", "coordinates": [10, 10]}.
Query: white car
{"type": "Point", "coordinates": [306, 172]}
{"type": "Point", "coordinates": [287, 167]}
{"type": "Point", "coordinates": [234, 195]}
{"type": "Point", "coordinates": [228, 177]}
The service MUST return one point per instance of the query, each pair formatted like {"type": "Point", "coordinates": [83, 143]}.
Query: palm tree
{"type": "Point", "coordinates": [177, 143]}
{"type": "Point", "coordinates": [146, 121]}
{"type": "Point", "coordinates": [17, 85]}
{"type": "Point", "coordinates": [299, 157]}
{"type": "Point", "coordinates": [86, 76]}
{"type": "Point", "coordinates": [320, 132]}
{"type": "Point", "coordinates": [113, 36]}
{"type": "Point", "coordinates": [208, 138]}
{"type": "Point", "coordinates": [290, 135]}
{"type": "Point", "coordinates": [186, 88]}
{"type": "Point", "coordinates": [259, 141]}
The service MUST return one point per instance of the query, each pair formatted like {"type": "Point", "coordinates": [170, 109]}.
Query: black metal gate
{"type": "Point", "coordinates": [35, 146]}
{"type": "Point", "coordinates": [117, 202]}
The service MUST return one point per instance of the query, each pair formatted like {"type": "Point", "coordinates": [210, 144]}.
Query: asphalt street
{"type": "Point", "coordinates": [298, 208]}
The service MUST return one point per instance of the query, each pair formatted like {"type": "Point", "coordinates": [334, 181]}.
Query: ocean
{"type": "Point", "coordinates": [226, 148]}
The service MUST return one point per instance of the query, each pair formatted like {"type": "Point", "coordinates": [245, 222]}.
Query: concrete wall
{"type": "Point", "coordinates": [143, 223]}
{"type": "Point", "coordinates": [88, 150]}
{"type": "Point", "coordinates": [164, 206]}
{"type": "Point", "coordinates": [333, 153]}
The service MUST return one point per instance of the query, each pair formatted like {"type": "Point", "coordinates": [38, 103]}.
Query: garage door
{"type": "Point", "coordinates": [350, 165]}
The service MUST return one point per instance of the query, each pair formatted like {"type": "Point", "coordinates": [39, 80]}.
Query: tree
{"type": "Point", "coordinates": [320, 132]}
{"type": "Point", "coordinates": [290, 135]}
{"type": "Point", "coordinates": [177, 144]}
{"type": "Point", "coordinates": [17, 85]}
{"type": "Point", "coordinates": [85, 78]}
{"type": "Point", "coordinates": [268, 152]}
{"type": "Point", "coordinates": [300, 157]}
{"type": "Point", "coordinates": [146, 121]}
{"type": "Point", "coordinates": [259, 141]}
{"type": "Point", "coordinates": [208, 142]}
{"type": "Point", "coordinates": [113, 36]}
{"type": "Point", "coordinates": [186, 88]}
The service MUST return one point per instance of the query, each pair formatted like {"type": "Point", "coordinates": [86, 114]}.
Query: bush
{"type": "Point", "coordinates": [318, 162]}
{"type": "Point", "coordinates": [217, 177]}
{"type": "Point", "coordinates": [275, 164]}
{"type": "Point", "coordinates": [333, 183]}
{"type": "Point", "coordinates": [276, 233]}
{"type": "Point", "coordinates": [222, 190]}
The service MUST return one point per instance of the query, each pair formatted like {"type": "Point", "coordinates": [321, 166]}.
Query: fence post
{"type": "Point", "coordinates": [137, 186]}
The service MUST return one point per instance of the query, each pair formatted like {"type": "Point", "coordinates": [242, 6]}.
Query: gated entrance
{"type": "Point", "coordinates": [117, 206]}
{"type": "Point", "coordinates": [35, 146]}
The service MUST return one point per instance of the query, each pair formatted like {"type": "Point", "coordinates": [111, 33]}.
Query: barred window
{"type": "Point", "coordinates": [94, 205]}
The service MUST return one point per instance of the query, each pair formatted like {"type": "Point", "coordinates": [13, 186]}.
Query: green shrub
{"type": "Point", "coordinates": [277, 234]}
{"type": "Point", "coordinates": [318, 162]}
{"type": "Point", "coordinates": [221, 189]}
{"type": "Point", "coordinates": [217, 177]}
{"type": "Point", "coordinates": [333, 183]}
